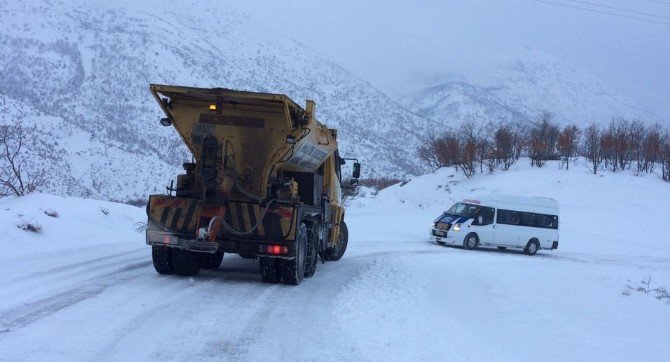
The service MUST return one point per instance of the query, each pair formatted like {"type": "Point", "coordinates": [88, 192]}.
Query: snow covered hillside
{"type": "Point", "coordinates": [520, 88]}
{"type": "Point", "coordinates": [585, 200]}
{"type": "Point", "coordinates": [77, 72]}
{"type": "Point", "coordinates": [83, 287]}
{"type": "Point", "coordinates": [85, 67]}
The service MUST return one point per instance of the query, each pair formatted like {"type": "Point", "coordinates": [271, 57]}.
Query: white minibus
{"type": "Point", "coordinates": [502, 221]}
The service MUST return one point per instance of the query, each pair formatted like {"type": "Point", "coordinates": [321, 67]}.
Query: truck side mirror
{"type": "Point", "coordinates": [357, 170]}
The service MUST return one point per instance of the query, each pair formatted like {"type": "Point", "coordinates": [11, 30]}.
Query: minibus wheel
{"type": "Point", "coordinates": [471, 241]}
{"type": "Point", "coordinates": [532, 247]}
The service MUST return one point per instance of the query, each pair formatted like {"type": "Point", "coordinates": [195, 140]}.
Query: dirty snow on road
{"type": "Point", "coordinates": [83, 287]}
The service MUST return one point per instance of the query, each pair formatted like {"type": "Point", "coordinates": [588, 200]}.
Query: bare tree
{"type": "Point", "coordinates": [451, 149]}
{"type": "Point", "coordinates": [468, 157]}
{"type": "Point", "coordinates": [430, 152]}
{"type": "Point", "coordinates": [440, 151]}
{"type": "Point", "coordinates": [665, 156]}
{"type": "Point", "coordinates": [15, 180]}
{"type": "Point", "coordinates": [618, 145]}
{"type": "Point", "coordinates": [607, 152]}
{"type": "Point", "coordinates": [542, 140]}
{"type": "Point", "coordinates": [651, 148]}
{"type": "Point", "coordinates": [468, 149]}
{"type": "Point", "coordinates": [568, 141]}
{"type": "Point", "coordinates": [484, 145]}
{"type": "Point", "coordinates": [504, 146]}
{"type": "Point", "coordinates": [637, 133]}
{"type": "Point", "coordinates": [592, 149]}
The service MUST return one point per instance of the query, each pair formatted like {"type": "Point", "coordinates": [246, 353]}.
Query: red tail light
{"type": "Point", "coordinates": [276, 249]}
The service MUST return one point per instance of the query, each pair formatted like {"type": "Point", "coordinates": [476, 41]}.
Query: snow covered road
{"type": "Point", "coordinates": [119, 308]}
{"type": "Point", "coordinates": [398, 299]}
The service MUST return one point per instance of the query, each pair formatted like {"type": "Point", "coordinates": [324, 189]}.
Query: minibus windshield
{"type": "Point", "coordinates": [465, 210]}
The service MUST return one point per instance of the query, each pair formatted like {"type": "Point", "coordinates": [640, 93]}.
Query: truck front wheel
{"type": "Point", "coordinates": [312, 253]}
{"type": "Point", "coordinates": [162, 258]}
{"type": "Point", "coordinates": [338, 250]}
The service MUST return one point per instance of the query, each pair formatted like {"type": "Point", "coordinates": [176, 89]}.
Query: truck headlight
{"type": "Point", "coordinates": [456, 227]}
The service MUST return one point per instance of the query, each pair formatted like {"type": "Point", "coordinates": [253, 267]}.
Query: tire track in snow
{"type": "Point", "coordinates": [74, 266]}
{"type": "Point", "coordinates": [302, 317]}
{"type": "Point", "coordinates": [22, 316]}
{"type": "Point", "coordinates": [156, 311]}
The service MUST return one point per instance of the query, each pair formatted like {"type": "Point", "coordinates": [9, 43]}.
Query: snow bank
{"type": "Point", "coordinates": [74, 224]}
{"type": "Point", "coordinates": [441, 303]}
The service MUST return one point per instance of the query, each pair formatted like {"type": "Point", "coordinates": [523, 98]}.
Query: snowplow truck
{"type": "Point", "coordinates": [264, 182]}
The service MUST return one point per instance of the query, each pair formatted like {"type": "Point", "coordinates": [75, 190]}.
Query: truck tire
{"type": "Point", "coordinates": [162, 258]}
{"type": "Point", "coordinates": [270, 270]}
{"type": "Point", "coordinates": [212, 261]}
{"type": "Point", "coordinates": [293, 270]}
{"type": "Point", "coordinates": [471, 241]}
{"type": "Point", "coordinates": [312, 253]}
{"type": "Point", "coordinates": [337, 252]}
{"type": "Point", "coordinates": [186, 263]}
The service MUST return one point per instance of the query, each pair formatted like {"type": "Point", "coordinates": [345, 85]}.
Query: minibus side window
{"type": "Point", "coordinates": [508, 217]}
{"type": "Point", "coordinates": [528, 219]}
{"type": "Point", "coordinates": [486, 214]}
{"type": "Point", "coordinates": [546, 221]}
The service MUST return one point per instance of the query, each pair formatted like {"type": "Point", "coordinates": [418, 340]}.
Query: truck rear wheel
{"type": "Point", "coordinates": [162, 258]}
{"type": "Point", "coordinates": [212, 261]}
{"type": "Point", "coordinates": [293, 270]}
{"type": "Point", "coordinates": [312, 253]}
{"type": "Point", "coordinates": [270, 270]}
{"type": "Point", "coordinates": [338, 250]}
{"type": "Point", "coordinates": [186, 262]}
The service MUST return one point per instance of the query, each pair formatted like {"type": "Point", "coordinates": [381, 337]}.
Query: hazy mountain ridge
{"type": "Point", "coordinates": [520, 89]}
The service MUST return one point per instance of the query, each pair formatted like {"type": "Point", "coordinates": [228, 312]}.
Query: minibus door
{"type": "Point", "coordinates": [483, 225]}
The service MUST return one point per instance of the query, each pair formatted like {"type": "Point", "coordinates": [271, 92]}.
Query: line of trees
{"type": "Point", "coordinates": [621, 145]}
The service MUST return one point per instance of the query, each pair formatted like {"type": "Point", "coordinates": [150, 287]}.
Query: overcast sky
{"type": "Point", "coordinates": [396, 45]}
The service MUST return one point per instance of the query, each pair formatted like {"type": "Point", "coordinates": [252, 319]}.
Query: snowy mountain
{"type": "Point", "coordinates": [520, 88]}
{"type": "Point", "coordinates": [79, 72]}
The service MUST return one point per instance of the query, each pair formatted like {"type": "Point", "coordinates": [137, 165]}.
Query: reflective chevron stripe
{"type": "Point", "coordinates": [186, 215]}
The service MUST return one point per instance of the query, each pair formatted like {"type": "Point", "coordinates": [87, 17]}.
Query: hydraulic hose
{"type": "Point", "coordinates": [232, 230]}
